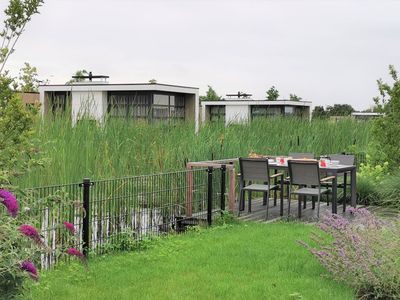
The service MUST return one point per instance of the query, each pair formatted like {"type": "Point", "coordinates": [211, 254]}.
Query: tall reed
{"type": "Point", "coordinates": [126, 147]}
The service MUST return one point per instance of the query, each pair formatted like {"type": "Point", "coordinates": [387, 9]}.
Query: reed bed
{"type": "Point", "coordinates": [126, 147]}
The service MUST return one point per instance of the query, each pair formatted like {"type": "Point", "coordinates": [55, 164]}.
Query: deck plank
{"type": "Point", "coordinates": [258, 212]}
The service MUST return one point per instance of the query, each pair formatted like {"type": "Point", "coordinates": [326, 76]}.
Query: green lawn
{"type": "Point", "coordinates": [245, 261]}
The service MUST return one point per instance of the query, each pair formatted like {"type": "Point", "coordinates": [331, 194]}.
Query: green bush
{"type": "Point", "coordinates": [389, 191]}
{"type": "Point", "coordinates": [385, 131]}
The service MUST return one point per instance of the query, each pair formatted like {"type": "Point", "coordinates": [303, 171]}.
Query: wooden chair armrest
{"type": "Point", "coordinates": [276, 175]}
{"type": "Point", "coordinates": [328, 178]}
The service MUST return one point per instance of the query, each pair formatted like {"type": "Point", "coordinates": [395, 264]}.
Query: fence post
{"type": "Point", "coordinates": [223, 187]}
{"type": "Point", "coordinates": [86, 216]}
{"type": "Point", "coordinates": [209, 195]}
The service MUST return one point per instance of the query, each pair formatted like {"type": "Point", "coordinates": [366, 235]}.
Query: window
{"type": "Point", "coordinates": [168, 106]}
{"type": "Point", "coordinates": [289, 110]}
{"type": "Point", "coordinates": [217, 113]}
{"type": "Point", "coordinates": [125, 104]}
{"type": "Point", "coordinates": [59, 101]}
{"type": "Point", "coordinates": [141, 105]}
{"type": "Point", "coordinates": [265, 111]}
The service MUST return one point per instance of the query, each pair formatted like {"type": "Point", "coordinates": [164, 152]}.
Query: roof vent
{"type": "Point", "coordinates": [84, 79]}
{"type": "Point", "coordinates": [239, 96]}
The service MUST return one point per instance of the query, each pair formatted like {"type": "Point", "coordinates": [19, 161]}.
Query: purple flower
{"type": "Point", "coordinates": [10, 202]}
{"type": "Point", "coordinates": [69, 226]}
{"type": "Point", "coordinates": [30, 232]}
{"type": "Point", "coordinates": [75, 252]}
{"type": "Point", "coordinates": [29, 267]}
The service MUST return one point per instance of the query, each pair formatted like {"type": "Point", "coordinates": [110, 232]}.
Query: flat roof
{"type": "Point", "coordinates": [122, 87]}
{"type": "Point", "coordinates": [256, 102]}
{"type": "Point", "coordinates": [104, 84]}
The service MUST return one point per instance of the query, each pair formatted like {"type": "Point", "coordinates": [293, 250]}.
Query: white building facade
{"type": "Point", "coordinates": [144, 101]}
{"type": "Point", "coordinates": [243, 111]}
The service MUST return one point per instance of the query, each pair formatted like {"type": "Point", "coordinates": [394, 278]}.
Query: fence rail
{"type": "Point", "coordinates": [113, 214]}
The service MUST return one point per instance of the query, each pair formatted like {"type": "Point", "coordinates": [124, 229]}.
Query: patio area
{"type": "Point", "coordinates": [308, 214]}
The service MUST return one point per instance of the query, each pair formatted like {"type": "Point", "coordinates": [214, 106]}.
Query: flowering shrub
{"type": "Point", "coordinates": [21, 246]}
{"type": "Point", "coordinates": [363, 253]}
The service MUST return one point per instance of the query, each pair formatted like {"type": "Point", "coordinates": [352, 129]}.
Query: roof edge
{"type": "Point", "coordinates": [115, 84]}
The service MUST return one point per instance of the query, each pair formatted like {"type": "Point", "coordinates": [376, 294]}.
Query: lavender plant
{"type": "Point", "coordinates": [363, 253]}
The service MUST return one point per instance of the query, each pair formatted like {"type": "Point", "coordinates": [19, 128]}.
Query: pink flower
{"type": "Point", "coordinates": [75, 252]}
{"type": "Point", "coordinates": [10, 202]}
{"type": "Point", "coordinates": [29, 267]}
{"type": "Point", "coordinates": [30, 232]}
{"type": "Point", "coordinates": [69, 226]}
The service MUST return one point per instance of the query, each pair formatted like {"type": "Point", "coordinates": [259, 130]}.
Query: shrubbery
{"type": "Point", "coordinates": [363, 253]}
{"type": "Point", "coordinates": [22, 245]}
{"type": "Point", "coordinates": [378, 180]}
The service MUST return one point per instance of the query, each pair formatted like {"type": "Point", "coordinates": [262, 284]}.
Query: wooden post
{"type": "Point", "coordinates": [232, 187]}
{"type": "Point", "coordinates": [189, 190]}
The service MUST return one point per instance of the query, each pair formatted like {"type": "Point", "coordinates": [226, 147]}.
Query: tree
{"type": "Point", "coordinates": [339, 110]}
{"type": "Point", "coordinates": [319, 112]}
{"type": "Point", "coordinates": [17, 150]}
{"type": "Point", "coordinates": [386, 129]}
{"type": "Point", "coordinates": [272, 94]}
{"type": "Point", "coordinates": [28, 79]}
{"type": "Point", "coordinates": [294, 97]}
{"type": "Point", "coordinates": [211, 95]}
{"type": "Point", "coordinates": [78, 73]}
{"type": "Point", "coordinates": [18, 14]}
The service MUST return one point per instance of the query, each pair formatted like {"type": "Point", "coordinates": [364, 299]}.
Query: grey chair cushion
{"type": "Point", "coordinates": [259, 187]}
{"type": "Point", "coordinates": [310, 191]}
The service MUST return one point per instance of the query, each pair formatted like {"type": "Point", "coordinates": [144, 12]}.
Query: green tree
{"type": "Point", "coordinates": [339, 110]}
{"type": "Point", "coordinates": [78, 73]}
{"type": "Point", "coordinates": [272, 94]}
{"type": "Point", "coordinates": [18, 14]}
{"type": "Point", "coordinates": [17, 149]}
{"type": "Point", "coordinates": [319, 112]}
{"type": "Point", "coordinates": [211, 95]}
{"type": "Point", "coordinates": [28, 79]}
{"type": "Point", "coordinates": [386, 130]}
{"type": "Point", "coordinates": [294, 97]}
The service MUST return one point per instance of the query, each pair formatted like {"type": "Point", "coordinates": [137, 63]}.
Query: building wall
{"type": "Point", "coordinates": [237, 114]}
{"type": "Point", "coordinates": [92, 104]}
{"type": "Point", "coordinates": [190, 103]}
{"type": "Point", "coordinates": [30, 98]}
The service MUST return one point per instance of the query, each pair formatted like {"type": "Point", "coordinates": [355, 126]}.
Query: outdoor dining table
{"type": "Point", "coordinates": [334, 171]}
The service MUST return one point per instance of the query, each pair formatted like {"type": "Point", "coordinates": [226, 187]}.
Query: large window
{"type": "Point", "coordinates": [289, 110]}
{"type": "Point", "coordinates": [217, 113]}
{"type": "Point", "coordinates": [129, 105]}
{"type": "Point", "coordinates": [168, 106]}
{"type": "Point", "coordinates": [265, 111]}
{"type": "Point", "coordinates": [141, 105]}
{"type": "Point", "coordinates": [59, 101]}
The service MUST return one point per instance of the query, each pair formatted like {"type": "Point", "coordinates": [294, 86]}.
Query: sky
{"type": "Point", "coordinates": [323, 51]}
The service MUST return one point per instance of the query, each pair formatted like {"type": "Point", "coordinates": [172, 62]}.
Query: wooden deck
{"type": "Point", "coordinates": [258, 212]}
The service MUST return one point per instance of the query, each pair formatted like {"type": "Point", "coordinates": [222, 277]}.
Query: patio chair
{"type": "Point", "coordinates": [256, 170]}
{"type": "Point", "coordinates": [344, 159]}
{"type": "Point", "coordinates": [306, 175]}
{"type": "Point", "coordinates": [297, 155]}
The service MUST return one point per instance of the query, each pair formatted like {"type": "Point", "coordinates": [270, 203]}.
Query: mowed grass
{"type": "Point", "coordinates": [245, 261]}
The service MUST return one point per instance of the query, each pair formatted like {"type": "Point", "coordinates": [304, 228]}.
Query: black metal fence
{"type": "Point", "coordinates": [120, 213]}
